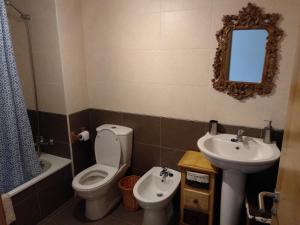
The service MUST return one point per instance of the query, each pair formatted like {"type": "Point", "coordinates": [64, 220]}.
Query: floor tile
{"type": "Point", "coordinates": [133, 218]}
{"type": "Point", "coordinates": [72, 213]}
{"type": "Point", "coordinates": [109, 220]}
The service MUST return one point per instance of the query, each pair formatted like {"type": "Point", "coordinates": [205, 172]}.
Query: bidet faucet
{"type": "Point", "coordinates": [165, 173]}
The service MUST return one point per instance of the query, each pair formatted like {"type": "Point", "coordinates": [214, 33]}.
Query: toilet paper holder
{"type": "Point", "coordinates": [76, 135]}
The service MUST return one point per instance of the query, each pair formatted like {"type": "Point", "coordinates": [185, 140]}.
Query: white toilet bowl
{"type": "Point", "coordinates": [98, 186]}
{"type": "Point", "coordinates": [98, 183]}
{"type": "Point", "coordinates": [154, 195]}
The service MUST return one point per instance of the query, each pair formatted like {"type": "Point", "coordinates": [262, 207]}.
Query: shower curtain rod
{"type": "Point", "coordinates": [22, 14]}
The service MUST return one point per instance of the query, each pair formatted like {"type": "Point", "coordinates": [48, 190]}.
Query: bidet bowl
{"type": "Point", "coordinates": [154, 195]}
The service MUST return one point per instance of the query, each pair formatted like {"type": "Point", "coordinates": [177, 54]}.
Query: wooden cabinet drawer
{"type": "Point", "coordinates": [196, 200]}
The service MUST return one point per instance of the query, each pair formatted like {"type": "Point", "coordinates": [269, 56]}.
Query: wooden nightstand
{"type": "Point", "coordinates": [196, 199]}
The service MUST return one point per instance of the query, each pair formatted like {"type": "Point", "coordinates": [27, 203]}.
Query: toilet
{"type": "Point", "coordinates": [154, 194]}
{"type": "Point", "coordinates": [97, 185]}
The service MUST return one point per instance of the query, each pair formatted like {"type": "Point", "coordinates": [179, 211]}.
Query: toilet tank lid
{"type": "Point", "coordinates": [117, 129]}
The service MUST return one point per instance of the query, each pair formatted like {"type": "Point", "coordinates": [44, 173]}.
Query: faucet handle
{"type": "Point", "coordinates": [164, 170]}
{"type": "Point", "coordinates": [240, 132]}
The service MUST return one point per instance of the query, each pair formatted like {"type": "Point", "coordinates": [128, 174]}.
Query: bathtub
{"type": "Point", "coordinates": [50, 164]}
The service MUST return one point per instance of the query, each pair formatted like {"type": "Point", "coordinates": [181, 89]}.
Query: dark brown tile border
{"type": "Point", "coordinates": [153, 135]}
{"type": "Point", "coordinates": [181, 134]}
{"type": "Point", "coordinates": [54, 126]}
{"type": "Point", "coordinates": [61, 149]}
{"type": "Point", "coordinates": [144, 157]}
{"type": "Point", "coordinates": [146, 128]}
{"type": "Point", "coordinates": [79, 119]}
{"type": "Point", "coordinates": [171, 157]}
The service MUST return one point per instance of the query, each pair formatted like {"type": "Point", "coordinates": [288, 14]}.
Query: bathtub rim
{"type": "Point", "coordinates": [57, 163]}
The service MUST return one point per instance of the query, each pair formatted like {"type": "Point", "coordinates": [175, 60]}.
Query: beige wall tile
{"type": "Point", "coordinates": [51, 98]}
{"type": "Point", "coordinates": [72, 54]}
{"type": "Point", "coordinates": [186, 29]}
{"type": "Point", "coordinates": [77, 94]}
{"type": "Point", "coordinates": [180, 69]}
{"type": "Point", "coordinates": [185, 67]}
{"type": "Point", "coordinates": [140, 5]}
{"type": "Point", "coordinates": [173, 5]}
{"type": "Point", "coordinates": [125, 65]}
{"type": "Point", "coordinates": [108, 26]}
{"type": "Point", "coordinates": [44, 35]}
{"type": "Point", "coordinates": [127, 97]}
{"type": "Point", "coordinates": [185, 101]}
{"type": "Point", "coordinates": [150, 56]}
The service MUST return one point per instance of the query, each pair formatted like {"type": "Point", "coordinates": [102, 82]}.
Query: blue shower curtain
{"type": "Point", "coordinates": [18, 159]}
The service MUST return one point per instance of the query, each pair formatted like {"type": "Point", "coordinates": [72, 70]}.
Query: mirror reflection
{"type": "Point", "coordinates": [247, 55]}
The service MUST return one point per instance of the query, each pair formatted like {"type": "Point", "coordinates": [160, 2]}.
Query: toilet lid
{"type": "Point", "coordinates": [108, 148]}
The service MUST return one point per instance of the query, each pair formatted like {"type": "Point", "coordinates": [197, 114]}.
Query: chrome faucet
{"type": "Point", "coordinates": [239, 136]}
{"type": "Point", "coordinates": [165, 173]}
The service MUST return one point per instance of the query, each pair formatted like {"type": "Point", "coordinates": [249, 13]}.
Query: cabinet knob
{"type": "Point", "coordinates": [195, 201]}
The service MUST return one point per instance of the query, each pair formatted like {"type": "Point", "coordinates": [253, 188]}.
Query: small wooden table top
{"type": "Point", "coordinates": [196, 161]}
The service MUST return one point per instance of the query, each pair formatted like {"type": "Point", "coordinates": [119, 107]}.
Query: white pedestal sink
{"type": "Point", "coordinates": [236, 159]}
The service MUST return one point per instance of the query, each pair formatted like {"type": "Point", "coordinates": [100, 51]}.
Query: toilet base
{"type": "Point", "coordinates": [97, 209]}
{"type": "Point", "coordinates": [158, 216]}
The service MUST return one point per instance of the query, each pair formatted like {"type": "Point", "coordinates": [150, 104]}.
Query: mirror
{"type": "Point", "coordinates": [247, 57]}
{"type": "Point", "coordinates": [247, 54]}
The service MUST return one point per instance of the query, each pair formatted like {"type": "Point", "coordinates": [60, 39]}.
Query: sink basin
{"type": "Point", "coordinates": [236, 159]}
{"type": "Point", "coordinates": [251, 156]}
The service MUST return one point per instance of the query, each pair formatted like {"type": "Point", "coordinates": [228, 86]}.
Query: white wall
{"type": "Point", "coordinates": [155, 57]}
{"type": "Point", "coordinates": [144, 56]}
{"type": "Point", "coordinates": [72, 54]}
{"type": "Point", "coordinates": [56, 32]}
{"type": "Point", "coordinates": [46, 53]}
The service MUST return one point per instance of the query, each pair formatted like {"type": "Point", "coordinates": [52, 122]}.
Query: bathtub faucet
{"type": "Point", "coordinates": [41, 141]}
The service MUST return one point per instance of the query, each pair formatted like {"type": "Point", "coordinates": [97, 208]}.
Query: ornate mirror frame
{"type": "Point", "coordinates": [250, 17]}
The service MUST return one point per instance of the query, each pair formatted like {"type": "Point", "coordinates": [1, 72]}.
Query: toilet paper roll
{"type": "Point", "coordinates": [84, 136]}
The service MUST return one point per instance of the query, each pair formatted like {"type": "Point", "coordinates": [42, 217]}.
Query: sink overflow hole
{"type": "Point", "coordinates": [237, 148]}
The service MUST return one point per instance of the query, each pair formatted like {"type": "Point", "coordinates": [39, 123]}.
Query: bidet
{"type": "Point", "coordinates": [154, 192]}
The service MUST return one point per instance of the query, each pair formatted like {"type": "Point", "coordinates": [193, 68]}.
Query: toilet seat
{"type": "Point", "coordinates": [107, 148]}
{"type": "Point", "coordinates": [93, 177]}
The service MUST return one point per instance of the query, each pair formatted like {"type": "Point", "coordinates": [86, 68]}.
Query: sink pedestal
{"type": "Point", "coordinates": [232, 196]}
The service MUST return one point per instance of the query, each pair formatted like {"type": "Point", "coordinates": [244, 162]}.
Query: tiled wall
{"type": "Point", "coordinates": [155, 57]}
{"type": "Point", "coordinates": [57, 45]}
{"type": "Point", "coordinates": [52, 126]}
{"type": "Point", "coordinates": [46, 54]}
{"type": "Point", "coordinates": [157, 140]}
{"type": "Point", "coordinates": [72, 54]}
{"type": "Point", "coordinates": [83, 155]}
